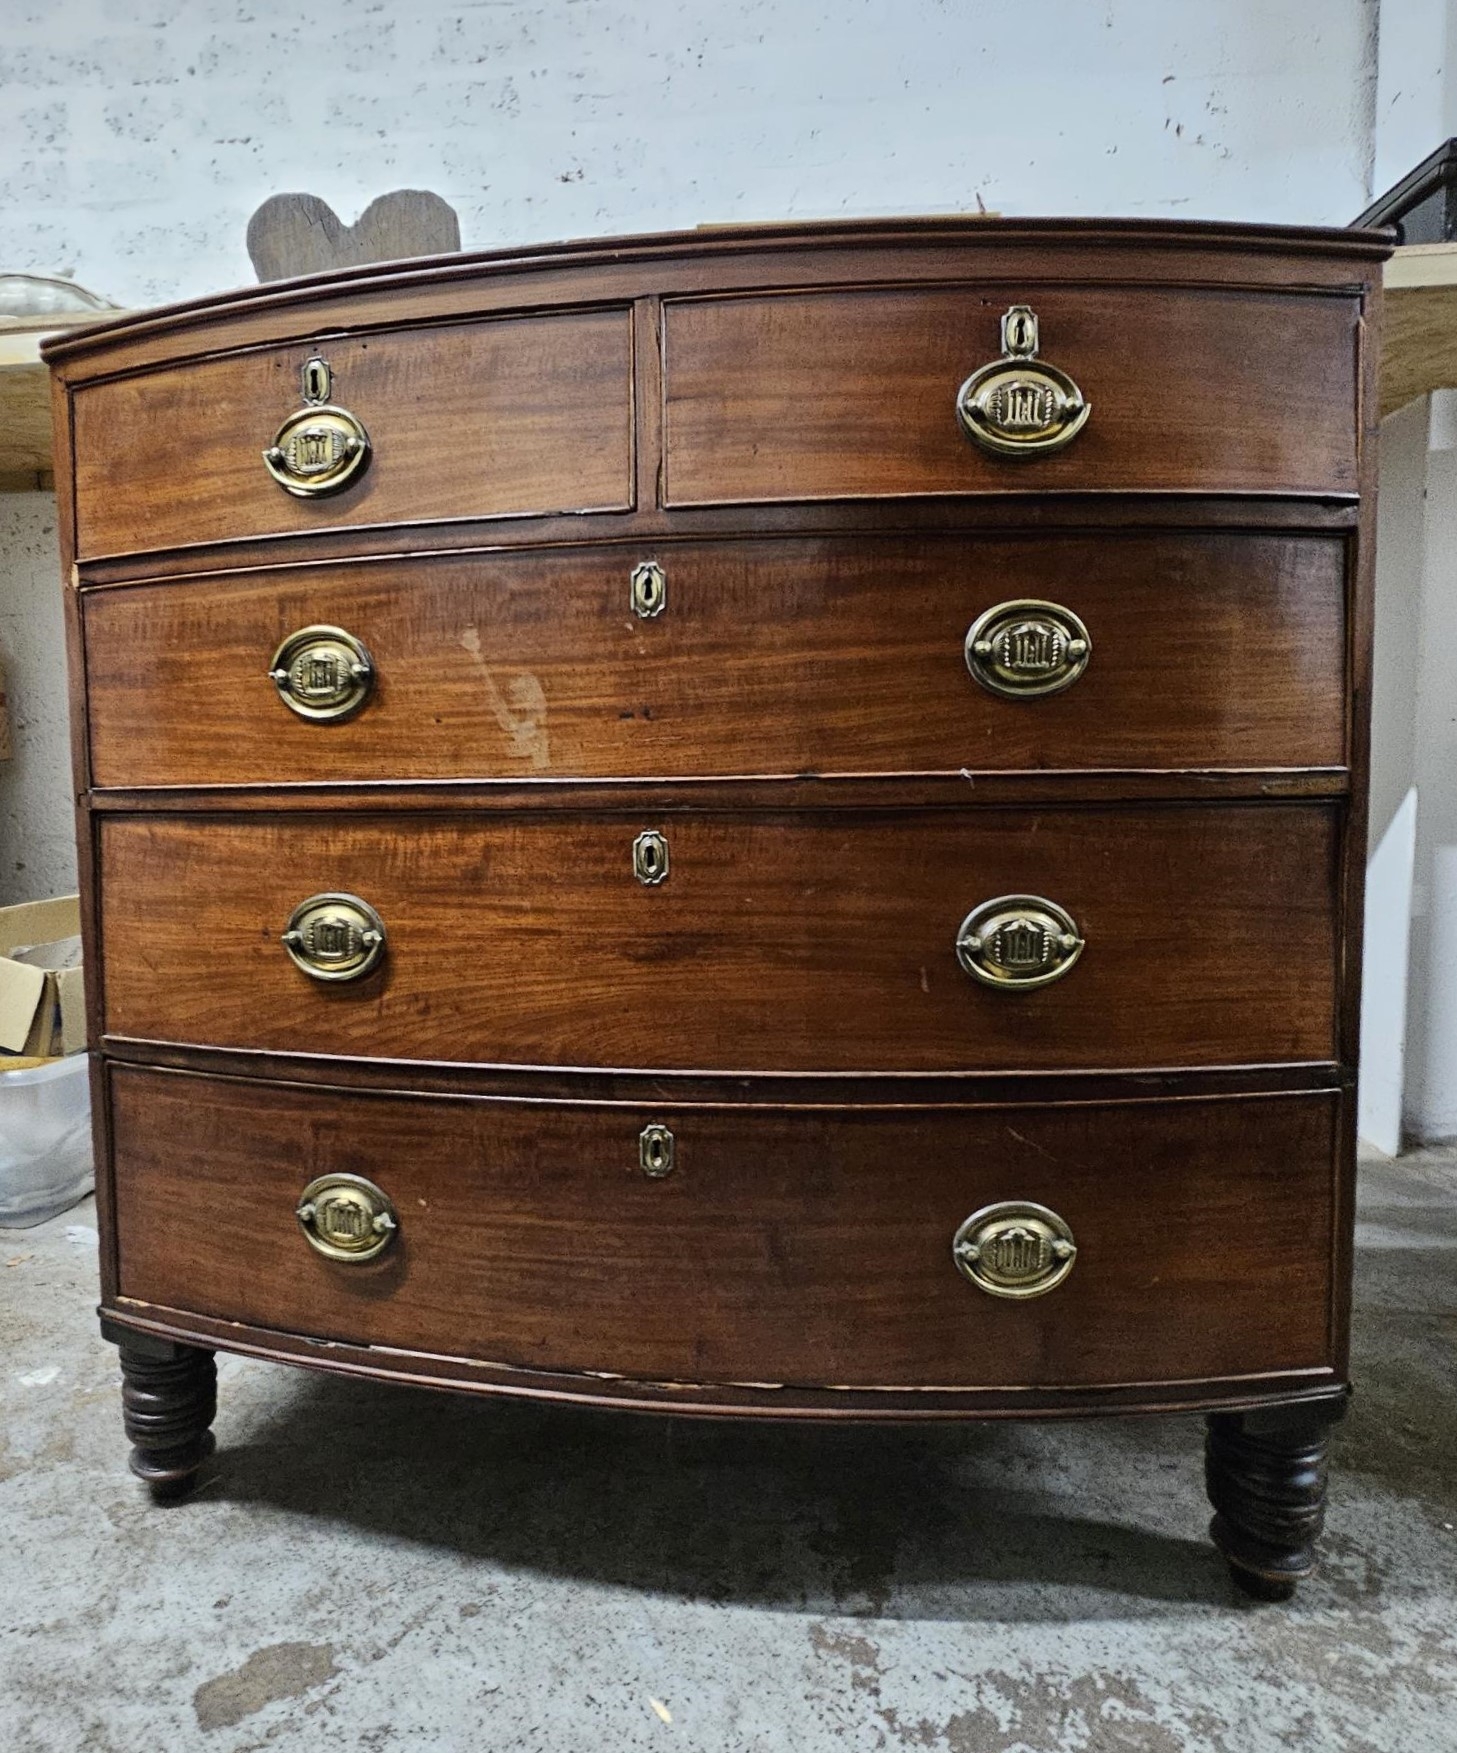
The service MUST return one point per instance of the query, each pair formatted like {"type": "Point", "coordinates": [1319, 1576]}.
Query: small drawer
{"type": "Point", "coordinates": [752, 658]}
{"type": "Point", "coordinates": [796, 1247]}
{"type": "Point", "coordinates": [514, 416]}
{"type": "Point", "coordinates": [739, 940]}
{"type": "Point", "coordinates": [855, 393]}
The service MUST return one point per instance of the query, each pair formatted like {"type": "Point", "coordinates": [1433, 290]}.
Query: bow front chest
{"type": "Point", "coordinates": [764, 823]}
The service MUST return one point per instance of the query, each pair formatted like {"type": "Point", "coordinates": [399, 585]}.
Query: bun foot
{"type": "Point", "coordinates": [168, 1401]}
{"type": "Point", "coordinates": [1266, 1475]}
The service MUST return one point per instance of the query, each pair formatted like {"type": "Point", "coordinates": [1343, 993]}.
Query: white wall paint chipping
{"type": "Point", "coordinates": [138, 135]}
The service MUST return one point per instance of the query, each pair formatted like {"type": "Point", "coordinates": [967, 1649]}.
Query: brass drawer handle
{"type": "Point", "coordinates": [323, 674]}
{"type": "Point", "coordinates": [1018, 405]}
{"type": "Point", "coordinates": [320, 448]}
{"type": "Point", "coordinates": [1018, 941]}
{"type": "Point", "coordinates": [345, 1217]}
{"type": "Point", "coordinates": [1015, 1249]}
{"type": "Point", "coordinates": [334, 937]}
{"type": "Point", "coordinates": [1026, 648]}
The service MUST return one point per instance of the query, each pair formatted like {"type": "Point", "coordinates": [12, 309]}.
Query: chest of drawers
{"type": "Point", "coordinates": [764, 824]}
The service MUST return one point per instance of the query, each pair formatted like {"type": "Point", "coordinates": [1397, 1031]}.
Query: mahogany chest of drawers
{"type": "Point", "coordinates": [765, 824]}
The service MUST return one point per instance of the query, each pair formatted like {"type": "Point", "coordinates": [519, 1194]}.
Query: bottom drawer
{"type": "Point", "coordinates": [805, 1246]}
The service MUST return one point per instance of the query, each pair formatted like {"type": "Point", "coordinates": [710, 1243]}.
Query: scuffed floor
{"type": "Point", "coordinates": [376, 1569]}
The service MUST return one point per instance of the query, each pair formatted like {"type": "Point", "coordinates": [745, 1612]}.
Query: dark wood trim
{"type": "Point", "coordinates": [859, 792]}
{"type": "Point", "coordinates": [719, 1400]}
{"type": "Point", "coordinates": [1060, 514]}
{"type": "Point", "coordinates": [1325, 257]}
{"type": "Point", "coordinates": [890, 1090]}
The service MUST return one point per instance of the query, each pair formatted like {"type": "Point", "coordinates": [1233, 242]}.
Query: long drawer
{"type": "Point", "coordinates": [762, 657]}
{"type": "Point", "coordinates": [849, 393]}
{"type": "Point", "coordinates": [799, 1247]}
{"type": "Point", "coordinates": [462, 420]}
{"type": "Point", "coordinates": [847, 941]}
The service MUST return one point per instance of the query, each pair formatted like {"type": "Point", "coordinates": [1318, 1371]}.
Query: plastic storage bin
{"type": "Point", "coordinates": [45, 1140]}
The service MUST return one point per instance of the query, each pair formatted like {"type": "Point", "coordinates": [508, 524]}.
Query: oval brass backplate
{"type": "Point", "coordinates": [347, 1218]}
{"type": "Point", "coordinates": [1018, 942]}
{"type": "Point", "coordinates": [317, 451]}
{"type": "Point", "coordinates": [1015, 1249]}
{"type": "Point", "coordinates": [1026, 648]}
{"type": "Point", "coordinates": [1018, 406]}
{"type": "Point", "coordinates": [323, 674]}
{"type": "Point", "coordinates": [334, 937]}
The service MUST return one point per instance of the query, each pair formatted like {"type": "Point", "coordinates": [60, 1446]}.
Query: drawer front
{"type": "Point", "coordinates": [804, 1247]}
{"type": "Point", "coordinates": [751, 941]}
{"type": "Point", "coordinates": [765, 658]}
{"type": "Point", "coordinates": [838, 394]}
{"type": "Point", "coordinates": [513, 416]}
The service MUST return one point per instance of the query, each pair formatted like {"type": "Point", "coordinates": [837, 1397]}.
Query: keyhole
{"type": "Point", "coordinates": [317, 380]}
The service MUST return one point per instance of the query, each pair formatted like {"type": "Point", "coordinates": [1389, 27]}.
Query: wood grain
{"type": "Point", "coordinates": [797, 1249]}
{"type": "Point", "coordinates": [776, 657]}
{"type": "Point", "coordinates": [527, 414]}
{"type": "Point", "coordinates": [778, 942]}
{"type": "Point", "coordinates": [828, 395]}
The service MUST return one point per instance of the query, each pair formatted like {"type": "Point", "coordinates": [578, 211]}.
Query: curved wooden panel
{"type": "Point", "coordinates": [777, 943]}
{"type": "Point", "coordinates": [771, 657]}
{"type": "Point", "coordinates": [796, 1248]}
{"type": "Point", "coordinates": [521, 415]}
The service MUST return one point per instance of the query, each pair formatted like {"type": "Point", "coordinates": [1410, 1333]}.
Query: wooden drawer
{"type": "Point", "coordinates": [808, 1247]}
{"type": "Point", "coordinates": [852, 393]}
{"type": "Point", "coordinates": [783, 657]}
{"type": "Point", "coordinates": [466, 420]}
{"type": "Point", "coordinates": [817, 942]}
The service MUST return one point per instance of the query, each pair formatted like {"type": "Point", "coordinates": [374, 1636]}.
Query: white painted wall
{"type": "Point", "coordinates": [137, 136]}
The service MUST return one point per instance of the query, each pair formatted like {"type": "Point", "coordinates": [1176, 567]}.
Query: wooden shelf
{"type": "Point", "coordinates": [25, 401]}
{"type": "Point", "coordinates": [1419, 331]}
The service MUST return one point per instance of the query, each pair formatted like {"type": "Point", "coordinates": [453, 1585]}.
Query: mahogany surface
{"type": "Point", "coordinates": [770, 416]}
{"type": "Point", "coordinates": [823, 942]}
{"type": "Point", "coordinates": [778, 657]}
{"type": "Point", "coordinates": [804, 1249]}
{"type": "Point", "coordinates": [829, 395]}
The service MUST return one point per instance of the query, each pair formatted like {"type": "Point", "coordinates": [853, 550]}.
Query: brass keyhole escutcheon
{"type": "Point", "coordinates": [1015, 1249]}
{"type": "Point", "coordinates": [323, 674]}
{"type": "Point", "coordinates": [656, 1149]}
{"type": "Point", "coordinates": [321, 447]}
{"type": "Point", "coordinates": [1019, 406]}
{"type": "Point", "coordinates": [1027, 648]}
{"type": "Point", "coordinates": [650, 858]}
{"type": "Point", "coordinates": [345, 1217]}
{"type": "Point", "coordinates": [1018, 942]}
{"type": "Point", "coordinates": [649, 589]}
{"type": "Point", "coordinates": [334, 937]}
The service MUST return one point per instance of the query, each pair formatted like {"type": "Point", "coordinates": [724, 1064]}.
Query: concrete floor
{"type": "Point", "coordinates": [382, 1569]}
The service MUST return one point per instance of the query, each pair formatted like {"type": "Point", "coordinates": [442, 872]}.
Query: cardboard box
{"type": "Point", "coordinates": [42, 1001]}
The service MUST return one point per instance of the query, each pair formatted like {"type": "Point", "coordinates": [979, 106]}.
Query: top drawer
{"type": "Point", "coordinates": [463, 420]}
{"type": "Point", "coordinates": [848, 394]}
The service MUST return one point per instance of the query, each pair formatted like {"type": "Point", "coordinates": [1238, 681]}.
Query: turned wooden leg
{"type": "Point", "coordinates": [1266, 1475]}
{"type": "Point", "coordinates": [168, 1399]}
